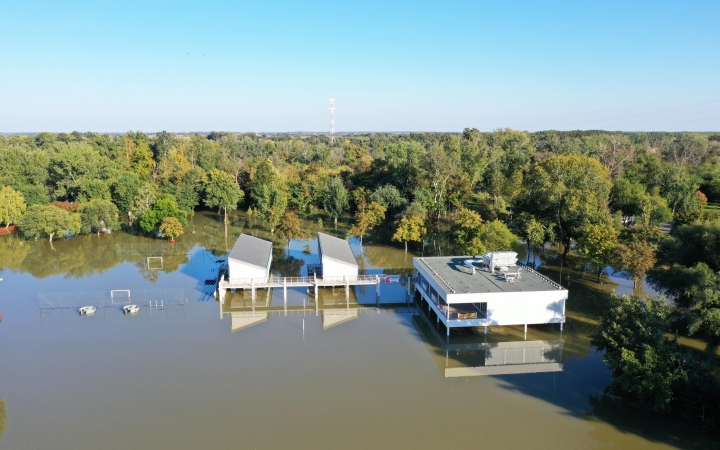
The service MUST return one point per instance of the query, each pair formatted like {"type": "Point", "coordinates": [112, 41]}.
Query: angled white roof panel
{"type": "Point", "coordinates": [336, 248]}
{"type": "Point", "coordinates": [252, 250]}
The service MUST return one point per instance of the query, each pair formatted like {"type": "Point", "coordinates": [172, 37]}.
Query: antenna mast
{"type": "Point", "coordinates": [332, 119]}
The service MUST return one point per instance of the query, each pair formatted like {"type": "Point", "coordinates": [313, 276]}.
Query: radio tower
{"type": "Point", "coordinates": [332, 119]}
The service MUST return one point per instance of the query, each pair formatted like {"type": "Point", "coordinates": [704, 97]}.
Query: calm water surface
{"type": "Point", "coordinates": [190, 376]}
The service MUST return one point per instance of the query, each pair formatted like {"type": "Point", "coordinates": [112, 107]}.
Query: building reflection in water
{"type": "Point", "coordinates": [502, 352]}
{"type": "Point", "coordinates": [467, 352]}
{"type": "Point", "coordinates": [333, 305]}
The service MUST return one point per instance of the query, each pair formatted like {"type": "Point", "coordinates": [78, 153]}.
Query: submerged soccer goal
{"type": "Point", "coordinates": [119, 297]}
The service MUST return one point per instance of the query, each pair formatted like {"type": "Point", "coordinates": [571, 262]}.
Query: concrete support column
{"type": "Point", "coordinates": [448, 329]}
{"type": "Point", "coordinates": [526, 332]}
{"type": "Point", "coordinates": [285, 296]}
{"type": "Point", "coordinates": [485, 329]}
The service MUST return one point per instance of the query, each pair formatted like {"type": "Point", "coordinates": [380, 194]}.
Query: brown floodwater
{"type": "Point", "coordinates": [340, 372]}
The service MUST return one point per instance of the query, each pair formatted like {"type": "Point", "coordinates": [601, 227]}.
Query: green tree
{"type": "Point", "coordinates": [366, 219]}
{"type": "Point", "coordinates": [143, 201]}
{"type": "Point", "coordinates": [222, 191]}
{"type": "Point", "coordinates": [465, 231]}
{"type": "Point", "coordinates": [567, 191]}
{"type": "Point", "coordinates": [495, 236]}
{"type": "Point", "coordinates": [628, 197]}
{"type": "Point", "coordinates": [678, 187]}
{"type": "Point", "coordinates": [172, 227]}
{"type": "Point", "coordinates": [290, 227]}
{"type": "Point", "coordinates": [164, 206]}
{"type": "Point", "coordinates": [47, 221]}
{"type": "Point", "coordinates": [646, 368]}
{"type": "Point", "coordinates": [34, 194]}
{"type": "Point", "coordinates": [440, 168]}
{"type": "Point", "coordinates": [124, 191]}
{"type": "Point", "coordinates": [265, 175]}
{"type": "Point", "coordinates": [390, 197]}
{"type": "Point", "coordinates": [410, 229]}
{"type": "Point", "coordinates": [188, 191]}
{"type": "Point", "coordinates": [97, 215]}
{"type": "Point", "coordinates": [635, 259]}
{"type": "Point", "coordinates": [692, 243]}
{"type": "Point", "coordinates": [271, 203]}
{"type": "Point", "coordinates": [696, 295]}
{"type": "Point", "coordinates": [336, 199]}
{"type": "Point", "coordinates": [597, 243]}
{"type": "Point", "coordinates": [12, 206]}
{"type": "Point", "coordinates": [138, 154]}
{"type": "Point", "coordinates": [404, 162]}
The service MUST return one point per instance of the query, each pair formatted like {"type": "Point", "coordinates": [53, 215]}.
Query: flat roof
{"type": "Point", "coordinates": [252, 250]}
{"type": "Point", "coordinates": [455, 277]}
{"type": "Point", "coordinates": [336, 248]}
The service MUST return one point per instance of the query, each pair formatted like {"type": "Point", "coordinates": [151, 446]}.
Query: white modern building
{"type": "Point", "coordinates": [336, 257]}
{"type": "Point", "coordinates": [250, 258]}
{"type": "Point", "coordinates": [467, 291]}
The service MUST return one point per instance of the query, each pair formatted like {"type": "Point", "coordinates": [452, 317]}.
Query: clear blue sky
{"type": "Point", "coordinates": [392, 65]}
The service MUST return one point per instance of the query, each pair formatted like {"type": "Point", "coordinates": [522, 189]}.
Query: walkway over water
{"type": "Point", "coordinates": [285, 282]}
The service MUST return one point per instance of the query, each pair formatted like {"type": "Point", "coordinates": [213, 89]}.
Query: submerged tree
{"type": "Point", "coordinates": [635, 259]}
{"type": "Point", "coordinates": [222, 191]}
{"type": "Point", "coordinates": [47, 221]}
{"type": "Point", "coordinates": [367, 219]}
{"type": "Point", "coordinates": [12, 206]}
{"type": "Point", "coordinates": [410, 229]}
{"type": "Point", "coordinates": [569, 192]}
{"type": "Point", "coordinates": [271, 204]}
{"type": "Point", "coordinates": [98, 215]}
{"type": "Point", "coordinates": [645, 363]}
{"type": "Point", "coordinates": [172, 227]}
{"type": "Point", "coordinates": [290, 227]}
{"type": "Point", "coordinates": [597, 243]}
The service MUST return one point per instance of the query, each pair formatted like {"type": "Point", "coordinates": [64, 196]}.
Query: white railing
{"type": "Point", "coordinates": [303, 281]}
{"type": "Point", "coordinates": [543, 277]}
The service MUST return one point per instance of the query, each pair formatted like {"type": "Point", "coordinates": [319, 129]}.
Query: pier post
{"type": "Point", "coordinates": [447, 327]}
{"type": "Point", "coordinates": [285, 295]}
{"type": "Point", "coordinates": [526, 332]}
{"type": "Point", "coordinates": [561, 326]}
{"type": "Point", "coordinates": [347, 290]}
{"type": "Point", "coordinates": [485, 329]}
{"type": "Point", "coordinates": [252, 289]}
{"type": "Point", "coordinates": [316, 287]}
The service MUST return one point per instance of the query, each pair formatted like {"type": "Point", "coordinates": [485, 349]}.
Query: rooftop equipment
{"type": "Point", "coordinates": [499, 259]}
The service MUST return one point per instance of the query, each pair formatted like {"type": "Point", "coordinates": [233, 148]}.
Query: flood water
{"type": "Point", "coordinates": [192, 373]}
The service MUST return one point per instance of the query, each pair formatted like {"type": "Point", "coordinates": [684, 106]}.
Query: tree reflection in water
{"type": "Point", "coordinates": [3, 416]}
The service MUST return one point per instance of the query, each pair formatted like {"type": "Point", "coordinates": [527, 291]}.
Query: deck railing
{"type": "Point", "coordinates": [542, 277]}
{"type": "Point", "coordinates": [305, 281]}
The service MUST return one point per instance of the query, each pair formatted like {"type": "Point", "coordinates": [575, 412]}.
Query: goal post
{"type": "Point", "coordinates": [154, 262]}
{"type": "Point", "coordinates": [119, 297]}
